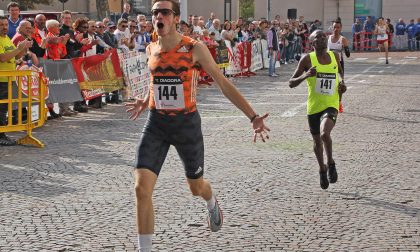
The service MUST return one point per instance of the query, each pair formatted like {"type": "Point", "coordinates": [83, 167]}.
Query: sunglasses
{"type": "Point", "coordinates": [124, 26]}
{"type": "Point", "coordinates": [100, 26]}
{"type": "Point", "coordinates": [133, 26]}
{"type": "Point", "coordinates": [165, 12]}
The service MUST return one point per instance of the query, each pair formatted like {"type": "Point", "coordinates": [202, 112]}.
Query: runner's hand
{"type": "Point", "coordinates": [311, 72]}
{"type": "Point", "coordinates": [342, 88]}
{"type": "Point", "coordinates": [259, 128]}
{"type": "Point", "coordinates": [135, 108]}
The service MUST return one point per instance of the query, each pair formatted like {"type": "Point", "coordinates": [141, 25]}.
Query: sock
{"type": "Point", "coordinates": [145, 242]}
{"type": "Point", "coordinates": [211, 203]}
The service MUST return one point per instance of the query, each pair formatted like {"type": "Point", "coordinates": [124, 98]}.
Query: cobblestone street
{"type": "Point", "coordinates": [77, 193]}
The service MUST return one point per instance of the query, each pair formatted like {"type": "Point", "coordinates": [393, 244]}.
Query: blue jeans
{"type": "Point", "coordinates": [272, 64]}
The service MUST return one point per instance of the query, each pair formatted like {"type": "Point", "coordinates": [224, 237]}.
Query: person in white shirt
{"type": "Point", "coordinates": [120, 34]}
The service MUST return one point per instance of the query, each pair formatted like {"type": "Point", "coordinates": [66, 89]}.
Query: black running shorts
{"type": "Point", "coordinates": [315, 120]}
{"type": "Point", "coordinates": [182, 131]}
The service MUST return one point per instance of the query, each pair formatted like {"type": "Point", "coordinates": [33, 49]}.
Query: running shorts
{"type": "Point", "coordinates": [183, 131]}
{"type": "Point", "coordinates": [315, 120]}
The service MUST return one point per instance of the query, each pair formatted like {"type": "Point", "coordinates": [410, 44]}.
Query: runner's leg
{"type": "Point", "coordinates": [326, 127]}
{"type": "Point", "coordinates": [145, 181]}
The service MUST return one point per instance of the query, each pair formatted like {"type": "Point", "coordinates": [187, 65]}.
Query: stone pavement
{"type": "Point", "coordinates": [77, 193]}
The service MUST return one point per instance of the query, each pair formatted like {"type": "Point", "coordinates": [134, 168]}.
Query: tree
{"type": "Point", "coordinates": [246, 8]}
{"type": "Point", "coordinates": [30, 4]}
{"type": "Point", "coordinates": [103, 8]}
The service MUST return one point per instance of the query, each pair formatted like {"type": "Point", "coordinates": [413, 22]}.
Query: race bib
{"type": "Point", "coordinates": [168, 92]}
{"type": "Point", "coordinates": [382, 37]}
{"type": "Point", "coordinates": [325, 83]}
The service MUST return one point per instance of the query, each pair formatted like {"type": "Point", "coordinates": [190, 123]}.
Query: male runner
{"type": "Point", "coordinates": [320, 69]}
{"type": "Point", "coordinates": [338, 43]}
{"type": "Point", "coordinates": [174, 63]}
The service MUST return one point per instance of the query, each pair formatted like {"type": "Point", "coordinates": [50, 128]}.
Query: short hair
{"type": "Point", "coordinates": [176, 6]}
{"type": "Point", "coordinates": [313, 34]}
{"type": "Point", "coordinates": [79, 22]}
{"type": "Point", "coordinates": [12, 4]}
{"type": "Point", "coordinates": [65, 12]}
{"type": "Point", "coordinates": [5, 18]}
{"type": "Point", "coordinates": [122, 20]}
{"type": "Point", "coordinates": [51, 22]}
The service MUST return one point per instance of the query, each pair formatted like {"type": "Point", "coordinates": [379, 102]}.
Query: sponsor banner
{"type": "Point", "coordinates": [234, 59]}
{"type": "Point", "coordinates": [136, 73]}
{"type": "Point", "coordinates": [99, 72]}
{"type": "Point", "coordinates": [222, 58]}
{"type": "Point", "coordinates": [62, 81]}
{"type": "Point", "coordinates": [256, 56]}
{"type": "Point", "coordinates": [35, 79]}
{"type": "Point", "coordinates": [264, 52]}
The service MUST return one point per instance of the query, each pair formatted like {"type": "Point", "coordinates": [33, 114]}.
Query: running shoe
{"type": "Point", "coordinates": [323, 179]}
{"type": "Point", "coordinates": [340, 109]}
{"type": "Point", "coordinates": [332, 173]}
{"type": "Point", "coordinates": [215, 218]}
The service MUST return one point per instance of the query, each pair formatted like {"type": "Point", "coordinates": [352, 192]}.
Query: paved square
{"type": "Point", "coordinates": [77, 193]}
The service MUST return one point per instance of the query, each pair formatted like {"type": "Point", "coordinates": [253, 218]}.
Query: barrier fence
{"type": "Point", "coordinates": [25, 88]}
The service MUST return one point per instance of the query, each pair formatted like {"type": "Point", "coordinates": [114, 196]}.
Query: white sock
{"type": "Point", "coordinates": [145, 242]}
{"type": "Point", "coordinates": [211, 203]}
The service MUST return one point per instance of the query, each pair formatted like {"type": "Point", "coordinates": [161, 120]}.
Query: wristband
{"type": "Point", "coordinates": [253, 118]}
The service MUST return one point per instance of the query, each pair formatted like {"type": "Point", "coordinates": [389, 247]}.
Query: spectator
{"type": "Point", "coordinates": [8, 54]}
{"type": "Point", "coordinates": [226, 32]}
{"type": "Point", "coordinates": [316, 25]}
{"type": "Point", "coordinates": [73, 50]}
{"type": "Point", "coordinates": [184, 28]}
{"type": "Point", "coordinates": [196, 28]}
{"type": "Point", "coordinates": [90, 34]}
{"type": "Point", "coordinates": [132, 27]}
{"type": "Point", "coordinates": [273, 47]}
{"type": "Point", "coordinates": [142, 39]}
{"type": "Point", "coordinates": [262, 29]}
{"type": "Point", "coordinates": [210, 20]}
{"type": "Point", "coordinates": [100, 35]}
{"type": "Point", "coordinates": [120, 35]}
{"type": "Point", "coordinates": [73, 46]}
{"type": "Point", "coordinates": [356, 29]}
{"type": "Point", "coordinates": [368, 27]}
{"type": "Point", "coordinates": [40, 31]}
{"type": "Point", "coordinates": [109, 36]}
{"type": "Point", "coordinates": [215, 28]}
{"type": "Point", "coordinates": [400, 37]}
{"type": "Point", "coordinates": [14, 18]}
{"type": "Point", "coordinates": [56, 49]}
{"type": "Point", "coordinates": [126, 11]}
{"type": "Point", "coordinates": [417, 34]}
{"type": "Point", "coordinates": [411, 35]}
{"type": "Point", "coordinates": [105, 21]}
{"type": "Point", "coordinates": [24, 32]}
{"type": "Point", "coordinates": [141, 18]}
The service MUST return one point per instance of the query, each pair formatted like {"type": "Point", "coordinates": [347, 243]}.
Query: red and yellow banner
{"type": "Point", "coordinates": [100, 71]}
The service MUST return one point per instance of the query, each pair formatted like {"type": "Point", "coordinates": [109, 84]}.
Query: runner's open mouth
{"type": "Point", "coordinates": [160, 25]}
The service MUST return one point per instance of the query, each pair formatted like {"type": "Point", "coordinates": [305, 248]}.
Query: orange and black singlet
{"type": "Point", "coordinates": [174, 78]}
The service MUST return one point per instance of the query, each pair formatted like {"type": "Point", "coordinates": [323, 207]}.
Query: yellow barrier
{"type": "Point", "coordinates": [37, 112]}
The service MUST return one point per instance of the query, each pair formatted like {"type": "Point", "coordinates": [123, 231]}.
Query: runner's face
{"type": "Point", "coordinates": [164, 21]}
{"type": "Point", "coordinates": [320, 41]}
{"type": "Point", "coordinates": [337, 28]}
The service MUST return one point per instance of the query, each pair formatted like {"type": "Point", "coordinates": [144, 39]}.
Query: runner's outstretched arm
{"type": "Point", "coordinates": [202, 56]}
{"type": "Point", "coordinates": [303, 71]}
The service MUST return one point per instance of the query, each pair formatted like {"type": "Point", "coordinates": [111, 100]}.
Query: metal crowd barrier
{"type": "Point", "coordinates": [34, 102]}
